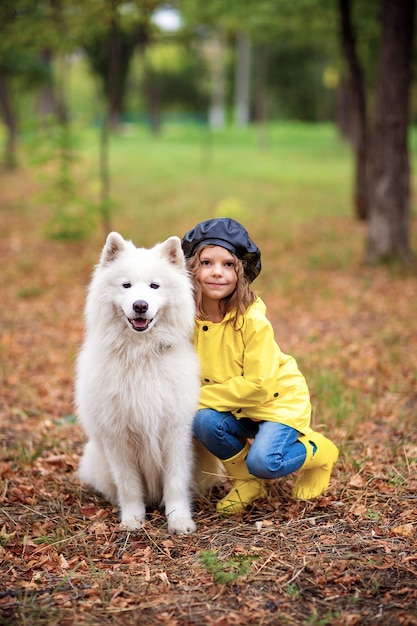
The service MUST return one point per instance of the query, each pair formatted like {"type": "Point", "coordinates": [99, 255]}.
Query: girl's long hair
{"type": "Point", "coordinates": [237, 303]}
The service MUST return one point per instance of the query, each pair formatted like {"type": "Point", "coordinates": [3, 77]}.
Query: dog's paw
{"type": "Point", "coordinates": [133, 522]}
{"type": "Point", "coordinates": [181, 526]}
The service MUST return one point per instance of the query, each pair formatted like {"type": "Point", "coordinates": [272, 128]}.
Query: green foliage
{"type": "Point", "coordinates": [32, 291]}
{"type": "Point", "coordinates": [293, 591]}
{"type": "Point", "coordinates": [179, 76]}
{"type": "Point", "coordinates": [299, 42]}
{"type": "Point", "coordinates": [395, 478]}
{"type": "Point", "coordinates": [316, 620]}
{"type": "Point", "coordinates": [27, 454]}
{"type": "Point", "coordinates": [226, 572]}
{"type": "Point", "coordinates": [296, 81]}
{"type": "Point", "coordinates": [71, 223]}
{"type": "Point", "coordinates": [334, 400]}
{"type": "Point", "coordinates": [372, 515]}
{"type": "Point", "coordinates": [31, 69]}
{"type": "Point", "coordinates": [72, 215]}
{"type": "Point", "coordinates": [98, 49]}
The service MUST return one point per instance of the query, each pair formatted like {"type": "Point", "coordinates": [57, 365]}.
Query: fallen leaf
{"type": "Point", "coordinates": [359, 509]}
{"type": "Point", "coordinates": [357, 481]}
{"type": "Point", "coordinates": [163, 576]}
{"type": "Point", "coordinates": [63, 562]}
{"type": "Point", "coordinates": [405, 530]}
{"type": "Point", "coordinates": [5, 537]}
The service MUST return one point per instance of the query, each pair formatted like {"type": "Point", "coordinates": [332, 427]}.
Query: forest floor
{"type": "Point", "coordinates": [347, 558]}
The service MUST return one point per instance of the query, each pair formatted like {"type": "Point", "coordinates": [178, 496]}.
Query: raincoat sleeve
{"type": "Point", "coordinates": [256, 382]}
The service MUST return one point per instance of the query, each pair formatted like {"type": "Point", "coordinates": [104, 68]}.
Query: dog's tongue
{"type": "Point", "coordinates": [140, 322]}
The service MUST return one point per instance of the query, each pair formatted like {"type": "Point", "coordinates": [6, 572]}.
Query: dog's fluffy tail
{"type": "Point", "coordinates": [95, 472]}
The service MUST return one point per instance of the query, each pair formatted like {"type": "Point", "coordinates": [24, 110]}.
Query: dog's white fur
{"type": "Point", "coordinates": [137, 384]}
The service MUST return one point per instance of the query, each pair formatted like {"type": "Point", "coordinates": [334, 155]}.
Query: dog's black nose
{"type": "Point", "coordinates": [140, 306]}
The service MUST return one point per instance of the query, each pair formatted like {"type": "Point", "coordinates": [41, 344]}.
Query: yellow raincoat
{"type": "Point", "coordinates": [244, 372]}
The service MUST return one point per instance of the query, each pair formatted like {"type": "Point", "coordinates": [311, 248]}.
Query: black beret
{"type": "Point", "coordinates": [229, 234]}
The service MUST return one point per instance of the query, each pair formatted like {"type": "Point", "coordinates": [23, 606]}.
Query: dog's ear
{"type": "Point", "coordinates": [171, 249]}
{"type": "Point", "coordinates": [114, 244]}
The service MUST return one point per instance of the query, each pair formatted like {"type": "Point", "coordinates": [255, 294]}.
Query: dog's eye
{"type": "Point", "coordinates": [154, 286]}
{"type": "Point", "coordinates": [127, 285]}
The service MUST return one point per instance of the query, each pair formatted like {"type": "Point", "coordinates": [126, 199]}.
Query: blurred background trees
{"type": "Point", "coordinates": [116, 62]}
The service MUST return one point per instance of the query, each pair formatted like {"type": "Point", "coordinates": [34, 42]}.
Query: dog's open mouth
{"type": "Point", "coordinates": [139, 323]}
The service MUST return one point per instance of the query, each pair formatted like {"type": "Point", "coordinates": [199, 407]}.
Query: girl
{"type": "Point", "coordinates": [250, 389]}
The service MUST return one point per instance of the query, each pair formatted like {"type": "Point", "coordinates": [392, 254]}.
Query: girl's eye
{"type": "Point", "coordinates": [229, 264]}
{"type": "Point", "coordinates": [127, 285]}
{"type": "Point", "coordinates": [205, 262]}
{"type": "Point", "coordinates": [154, 286]}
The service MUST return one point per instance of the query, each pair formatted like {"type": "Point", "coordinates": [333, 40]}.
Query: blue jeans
{"type": "Point", "coordinates": [275, 451]}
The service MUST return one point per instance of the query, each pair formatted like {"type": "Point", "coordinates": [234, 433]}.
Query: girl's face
{"type": "Point", "coordinates": [216, 274]}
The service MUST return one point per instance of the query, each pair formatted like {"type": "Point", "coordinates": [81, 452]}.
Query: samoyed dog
{"type": "Point", "coordinates": [137, 385]}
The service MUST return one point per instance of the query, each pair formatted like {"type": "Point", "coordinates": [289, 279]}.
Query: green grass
{"type": "Point", "coordinates": [190, 173]}
{"type": "Point", "coordinates": [163, 185]}
{"type": "Point", "coordinates": [226, 572]}
{"type": "Point", "coordinates": [288, 194]}
{"type": "Point", "coordinates": [230, 164]}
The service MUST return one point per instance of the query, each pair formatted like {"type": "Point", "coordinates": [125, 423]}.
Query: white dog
{"type": "Point", "coordinates": [137, 384]}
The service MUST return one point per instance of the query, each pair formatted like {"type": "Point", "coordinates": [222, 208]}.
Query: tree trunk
{"type": "Point", "coordinates": [114, 55]}
{"type": "Point", "coordinates": [217, 110]}
{"type": "Point", "coordinates": [389, 224]}
{"type": "Point", "coordinates": [104, 206]}
{"type": "Point", "coordinates": [46, 98]}
{"type": "Point", "coordinates": [111, 118]}
{"type": "Point", "coordinates": [60, 99]}
{"type": "Point", "coordinates": [344, 111]}
{"type": "Point", "coordinates": [359, 126]}
{"type": "Point", "coordinates": [242, 79]}
{"type": "Point", "coordinates": [261, 94]}
{"type": "Point", "coordinates": [152, 97]}
{"type": "Point", "coordinates": [10, 122]}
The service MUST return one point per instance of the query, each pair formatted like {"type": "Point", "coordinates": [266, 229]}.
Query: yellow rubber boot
{"type": "Point", "coordinates": [317, 468]}
{"type": "Point", "coordinates": [246, 488]}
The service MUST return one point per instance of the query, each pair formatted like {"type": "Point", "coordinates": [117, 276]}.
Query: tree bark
{"type": "Point", "coordinates": [358, 99]}
{"type": "Point", "coordinates": [389, 223]}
